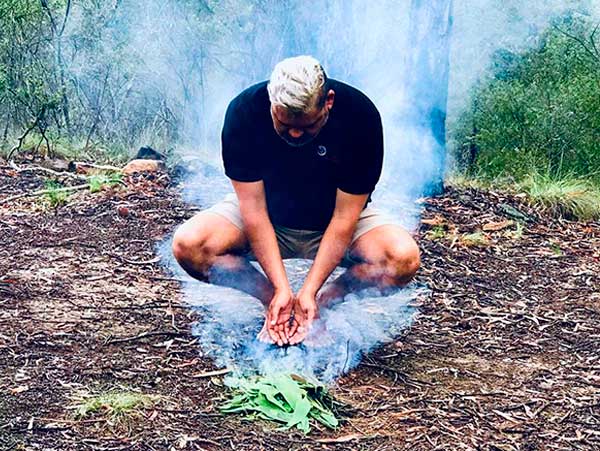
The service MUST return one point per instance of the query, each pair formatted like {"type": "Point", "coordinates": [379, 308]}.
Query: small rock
{"type": "Point", "coordinates": [123, 211]}
{"type": "Point", "coordinates": [143, 166]}
{"type": "Point", "coordinates": [148, 153]}
{"type": "Point", "coordinates": [55, 164]}
{"type": "Point", "coordinates": [513, 212]}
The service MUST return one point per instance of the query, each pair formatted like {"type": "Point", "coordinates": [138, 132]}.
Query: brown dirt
{"type": "Point", "coordinates": [505, 354]}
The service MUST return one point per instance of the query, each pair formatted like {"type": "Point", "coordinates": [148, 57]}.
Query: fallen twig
{"type": "Point", "coordinates": [212, 373]}
{"type": "Point", "coordinates": [145, 335]}
{"type": "Point", "coordinates": [342, 439]}
{"type": "Point", "coordinates": [44, 191]}
{"type": "Point", "coordinates": [142, 262]}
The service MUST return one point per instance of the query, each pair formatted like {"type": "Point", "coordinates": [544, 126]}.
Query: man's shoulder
{"type": "Point", "coordinates": [251, 98]}
{"type": "Point", "coordinates": [352, 100]}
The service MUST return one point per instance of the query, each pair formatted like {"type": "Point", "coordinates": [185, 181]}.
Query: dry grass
{"type": "Point", "coordinates": [476, 239]}
{"type": "Point", "coordinates": [114, 404]}
{"type": "Point", "coordinates": [570, 198]}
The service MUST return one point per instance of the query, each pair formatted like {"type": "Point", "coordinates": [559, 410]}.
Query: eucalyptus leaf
{"type": "Point", "coordinates": [290, 400]}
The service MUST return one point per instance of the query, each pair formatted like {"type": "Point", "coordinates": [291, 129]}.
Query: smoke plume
{"type": "Point", "coordinates": [397, 53]}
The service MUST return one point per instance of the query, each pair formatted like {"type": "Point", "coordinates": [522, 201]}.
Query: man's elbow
{"type": "Point", "coordinates": [343, 226]}
{"type": "Point", "coordinates": [254, 217]}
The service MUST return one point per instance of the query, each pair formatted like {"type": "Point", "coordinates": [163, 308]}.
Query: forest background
{"type": "Point", "coordinates": [77, 81]}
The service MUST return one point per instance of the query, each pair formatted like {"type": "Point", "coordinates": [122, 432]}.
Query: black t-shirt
{"type": "Point", "coordinates": [301, 182]}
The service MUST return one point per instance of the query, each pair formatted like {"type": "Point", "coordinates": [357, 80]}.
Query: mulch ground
{"type": "Point", "coordinates": [505, 354]}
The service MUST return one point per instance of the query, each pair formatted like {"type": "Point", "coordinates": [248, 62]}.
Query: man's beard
{"type": "Point", "coordinates": [305, 138]}
{"type": "Point", "coordinates": [298, 142]}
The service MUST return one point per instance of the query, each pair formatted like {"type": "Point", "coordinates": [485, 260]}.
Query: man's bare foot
{"type": "Point", "coordinates": [330, 295]}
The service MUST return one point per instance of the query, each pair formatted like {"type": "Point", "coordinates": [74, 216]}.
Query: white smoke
{"type": "Point", "coordinates": [230, 321]}
{"type": "Point", "coordinates": [370, 45]}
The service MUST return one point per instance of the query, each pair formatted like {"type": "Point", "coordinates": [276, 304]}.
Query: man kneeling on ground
{"type": "Point", "coordinates": [304, 153]}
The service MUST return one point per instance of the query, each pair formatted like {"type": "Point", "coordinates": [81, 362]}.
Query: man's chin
{"type": "Point", "coordinates": [298, 143]}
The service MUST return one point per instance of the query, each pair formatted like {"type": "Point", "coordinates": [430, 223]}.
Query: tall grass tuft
{"type": "Point", "coordinates": [568, 197]}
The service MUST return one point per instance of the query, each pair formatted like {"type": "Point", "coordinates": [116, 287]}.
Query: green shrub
{"type": "Point", "coordinates": [539, 111]}
{"type": "Point", "coordinates": [98, 182]}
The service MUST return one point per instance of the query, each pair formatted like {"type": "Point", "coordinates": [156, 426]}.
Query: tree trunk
{"type": "Point", "coordinates": [427, 80]}
{"type": "Point", "coordinates": [61, 68]}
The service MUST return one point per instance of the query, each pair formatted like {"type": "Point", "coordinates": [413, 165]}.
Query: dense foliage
{"type": "Point", "coordinates": [102, 77]}
{"type": "Point", "coordinates": [45, 89]}
{"type": "Point", "coordinates": [538, 114]}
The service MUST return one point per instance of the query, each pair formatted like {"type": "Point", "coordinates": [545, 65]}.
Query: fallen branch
{"type": "Point", "coordinates": [44, 191]}
{"type": "Point", "coordinates": [45, 170]}
{"type": "Point", "coordinates": [80, 167]}
{"type": "Point", "coordinates": [145, 335]}
{"type": "Point", "coordinates": [212, 373]}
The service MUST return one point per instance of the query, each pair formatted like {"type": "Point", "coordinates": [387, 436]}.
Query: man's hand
{"type": "Point", "coordinates": [277, 322]}
{"type": "Point", "coordinates": [305, 312]}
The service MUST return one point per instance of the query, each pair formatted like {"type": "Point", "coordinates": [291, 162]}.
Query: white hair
{"type": "Point", "coordinates": [297, 83]}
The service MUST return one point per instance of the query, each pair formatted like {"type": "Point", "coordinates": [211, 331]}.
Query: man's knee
{"type": "Point", "coordinates": [191, 247]}
{"type": "Point", "coordinates": [403, 261]}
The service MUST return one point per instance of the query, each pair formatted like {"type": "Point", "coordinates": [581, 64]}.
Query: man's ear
{"type": "Point", "coordinates": [329, 99]}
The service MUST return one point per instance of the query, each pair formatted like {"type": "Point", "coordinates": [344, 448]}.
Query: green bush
{"type": "Point", "coordinates": [95, 80]}
{"type": "Point", "coordinates": [538, 112]}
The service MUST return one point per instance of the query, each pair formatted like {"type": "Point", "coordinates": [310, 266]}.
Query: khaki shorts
{"type": "Point", "coordinates": [295, 243]}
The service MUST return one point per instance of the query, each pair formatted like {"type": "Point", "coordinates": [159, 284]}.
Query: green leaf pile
{"type": "Point", "coordinates": [289, 400]}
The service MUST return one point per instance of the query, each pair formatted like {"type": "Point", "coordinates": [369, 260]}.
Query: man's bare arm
{"type": "Point", "coordinates": [260, 231]}
{"type": "Point", "coordinates": [263, 241]}
{"type": "Point", "coordinates": [336, 240]}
